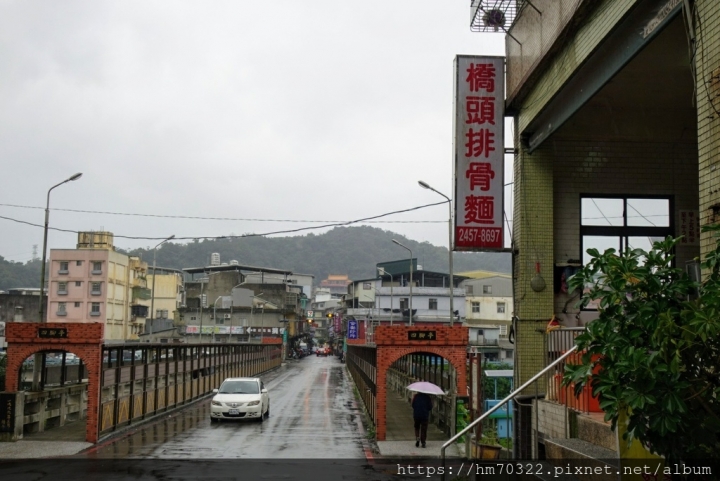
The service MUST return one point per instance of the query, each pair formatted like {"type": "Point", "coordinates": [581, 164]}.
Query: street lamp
{"type": "Point", "coordinates": [215, 317]}
{"type": "Point", "coordinates": [424, 185]}
{"type": "Point", "coordinates": [152, 298]}
{"type": "Point", "coordinates": [38, 357]}
{"type": "Point", "coordinates": [411, 277]}
{"type": "Point", "coordinates": [384, 272]}
{"type": "Point", "coordinates": [252, 311]}
{"type": "Point", "coordinates": [45, 236]}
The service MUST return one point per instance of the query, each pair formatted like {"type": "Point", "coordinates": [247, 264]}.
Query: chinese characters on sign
{"type": "Point", "coordinates": [479, 151]}
{"type": "Point", "coordinates": [45, 333]}
{"type": "Point", "coordinates": [352, 332]}
{"type": "Point", "coordinates": [7, 413]}
{"type": "Point", "coordinates": [421, 336]}
{"type": "Point", "coordinates": [689, 227]}
{"type": "Point", "coordinates": [234, 330]}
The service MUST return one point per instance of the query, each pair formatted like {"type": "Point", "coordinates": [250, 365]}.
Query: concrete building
{"type": "Point", "coordinates": [168, 292]}
{"type": "Point", "coordinates": [248, 301]}
{"type": "Point", "coordinates": [94, 283]}
{"type": "Point", "coordinates": [488, 304]}
{"type": "Point", "coordinates": [336, 284]}
{"type": "Point", "coordinates": [617, 127]}
{"type": "Point", "coordinates": [616, 112]}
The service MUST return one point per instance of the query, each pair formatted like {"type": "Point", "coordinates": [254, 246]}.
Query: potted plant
{"type": "Point", "coordinates": [489, 446]}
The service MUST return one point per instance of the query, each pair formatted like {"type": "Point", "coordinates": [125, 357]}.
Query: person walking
{"type": "Point", "coordinates": [422, 407]}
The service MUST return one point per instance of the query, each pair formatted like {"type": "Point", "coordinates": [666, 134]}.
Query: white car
{"type": "Point", "coordinates": [240, 398]}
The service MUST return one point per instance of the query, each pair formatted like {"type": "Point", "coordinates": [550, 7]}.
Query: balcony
{"type": "Point", "coordinates": [141, 293]}
{"type": "Point", "coordinates": [481, 341]}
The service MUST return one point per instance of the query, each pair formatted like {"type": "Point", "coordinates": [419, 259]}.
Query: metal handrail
{"type": "Point", "coordinates": [504, 401]}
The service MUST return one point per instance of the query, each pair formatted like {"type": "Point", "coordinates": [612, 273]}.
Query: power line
{"type": "Point", "coordinates": [212, 218]}
{"type": "Point", "coordinates": [287, 231]}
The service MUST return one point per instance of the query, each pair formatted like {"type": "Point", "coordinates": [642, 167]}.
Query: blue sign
{"type": "Point", "coordinates": [352, 329]}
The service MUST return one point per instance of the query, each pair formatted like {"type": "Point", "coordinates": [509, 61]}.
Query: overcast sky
{"type": "Point", "coordinates": [302, 110]}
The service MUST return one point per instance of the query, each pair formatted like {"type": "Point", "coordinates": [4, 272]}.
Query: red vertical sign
{"type": "Point", "coordinates": [479, 152]}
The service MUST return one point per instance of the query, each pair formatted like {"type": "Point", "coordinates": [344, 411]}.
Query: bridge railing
{"type": "Point", "coordinates": [139, 382]}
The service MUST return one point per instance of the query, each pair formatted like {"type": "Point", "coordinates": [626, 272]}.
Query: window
{"type": "Point", "coordinates": [64, 266]}
{"type": "Point", "coordinates": [193, 318]}
{"type": "Point", "coordinates": [367, 286]}
{"type": "Point", "coordinates": [78, 263]}
{"type": "Point", "coordinates": [62, 309]}
{"type": "Point", "coordinates": [95, 309]}
{"type": "Point", "coordinates": [623, 222]}
{"type": "Point", "coordinates": [78, 283]}
{"type": "Point", "coordinates": [97, 267]}
{"type": "Point", "coordinates": [403, 303]}
{"type": "Point", "coordinates": [77, 304]}
{"type": "Point", "coordinates": [161, 313]}
{"type": "Point", "coordinates": [501, 308]}
{"type": "Point", "coordinates": [468, 290]}
{"type": "Point", "coordinates": [476, 307]}
{"type": "Point", "coordinates": [487, 289]}
{"type": "Point", "coordinates": [432, 304]}
{"type": "Point", "coordinates": [503, 331]}
{"type": "Point", "coordinates": [62, 289]}
{"type": "Point", "coordinates": [96, 288]}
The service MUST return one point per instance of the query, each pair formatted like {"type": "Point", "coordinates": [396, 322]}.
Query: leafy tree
{"type": "Point", "coordinates": [658, 341]}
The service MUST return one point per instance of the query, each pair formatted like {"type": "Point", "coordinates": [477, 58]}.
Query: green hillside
{"type": "Point", "coordinates": [343, 250]}
{"type": "Point", "coordinates": [351, 251]}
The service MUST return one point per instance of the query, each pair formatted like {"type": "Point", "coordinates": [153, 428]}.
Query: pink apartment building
{"type": "Point", "coordinates": [94, 283]}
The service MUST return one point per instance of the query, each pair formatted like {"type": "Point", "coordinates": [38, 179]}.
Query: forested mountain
{"type": "Point", "coordinates": [343, 250]}
{"type": "Point", "coordinates": [17, 274]}
{"type": "Point", "coordinates": [353, 251]}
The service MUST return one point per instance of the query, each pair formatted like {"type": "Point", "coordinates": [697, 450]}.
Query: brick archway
{"type": "Point", "coordinates": [83, 339]}
{"type": "Point", "coordinates": [394, 342]}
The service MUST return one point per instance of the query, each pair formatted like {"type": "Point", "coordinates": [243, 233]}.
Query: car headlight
{"type": "Point", "coordinates": [216, 403]}
{"type": "Point", "coordinates": [253, 403]}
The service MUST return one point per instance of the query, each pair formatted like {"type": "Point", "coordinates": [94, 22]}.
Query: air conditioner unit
{"type": "Point", "coordinates": [226, 316]}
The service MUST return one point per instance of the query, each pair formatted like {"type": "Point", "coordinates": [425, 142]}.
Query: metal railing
{"type": "Point", "coordinates": [502, 403]}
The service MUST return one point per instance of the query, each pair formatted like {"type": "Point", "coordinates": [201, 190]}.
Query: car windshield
{"type": "Point", "coordinates": [239, 387]}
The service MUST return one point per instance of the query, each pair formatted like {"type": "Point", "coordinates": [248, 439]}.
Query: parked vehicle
{"type": "Point", "coordinates": [240, 398]}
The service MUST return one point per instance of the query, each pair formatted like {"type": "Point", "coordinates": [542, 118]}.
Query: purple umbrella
{"type": "Point", "coordinates": [426, 387]}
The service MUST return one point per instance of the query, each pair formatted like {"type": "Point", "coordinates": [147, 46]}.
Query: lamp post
{"type": "Point", "coordinates": [44, 258]}
{"type": "Point", "coordinates": [38, 364]}
{"type": "Point", "coordinates": [424, 185]}
{"type": "Point", "coordinates": [384, 272]}
{"type": "Point", "coordinates": [152, 298]}
{"type": "Point", "coordinates": [215, 317]}
{"type": "Point", "coordinates": [411, 277]}
{"type": "Point", "coordinates": [252, 311]}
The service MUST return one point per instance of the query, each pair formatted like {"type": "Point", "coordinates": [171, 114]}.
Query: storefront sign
{"type": "Point", "coordinates": [352, 332]}
{"type": "Point", "coordinates": [479, 153]}
{"type": "Point", "coordinates": [690, 227]}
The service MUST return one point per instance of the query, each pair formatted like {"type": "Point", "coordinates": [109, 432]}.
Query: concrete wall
{"type": "Point", "coordinates": [30, 307]}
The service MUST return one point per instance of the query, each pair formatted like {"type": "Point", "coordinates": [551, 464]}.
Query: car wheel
{"type": "Point", "coordinates": [267, 413]}
{"type": "Point", "coordinates": [261, 418]}
{"type": "Point", "coordinates": [214, 420]}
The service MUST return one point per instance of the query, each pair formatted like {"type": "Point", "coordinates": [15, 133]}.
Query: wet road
{"type": "Point", "coordinates": [313, 414]}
